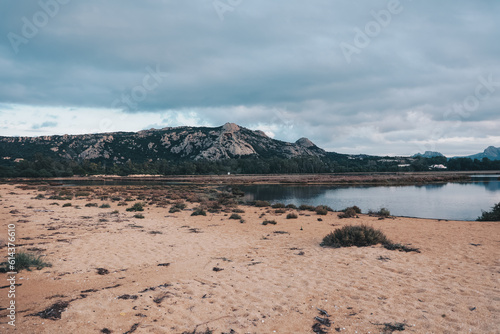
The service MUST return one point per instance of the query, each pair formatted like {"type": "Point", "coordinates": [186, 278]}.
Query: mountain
{"type": "Point", "coordinates": [189, 143]}
{"type": "Point", "coordinates": [492, 153]}
{"type": "Point", "coordinates": [427, 154]}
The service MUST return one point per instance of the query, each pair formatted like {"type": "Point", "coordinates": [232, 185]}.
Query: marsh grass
{"type": "Point", "coordinates": [25, 261]}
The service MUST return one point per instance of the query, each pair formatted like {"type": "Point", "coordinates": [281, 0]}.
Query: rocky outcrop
{"type": "Point", "coordinates": [194, 143]}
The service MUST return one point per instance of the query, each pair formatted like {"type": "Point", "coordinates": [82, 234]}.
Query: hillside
{"type": "Point", "coordinates": [188, 143]}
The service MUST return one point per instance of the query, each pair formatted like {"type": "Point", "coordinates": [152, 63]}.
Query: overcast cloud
{"type": "Point", "coordinates": [373, 76]}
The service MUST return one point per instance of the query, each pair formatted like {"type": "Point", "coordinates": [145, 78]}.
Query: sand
{"type": "Point", "coordinates": [161, 276]}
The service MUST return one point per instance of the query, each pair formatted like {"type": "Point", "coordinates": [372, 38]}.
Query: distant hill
{"type": "Point", "coordinates": [492, 153]}
{"type": "Point", "coordinates": [428, 154]}
{"type": "Point", "coordinates": [188, 143]}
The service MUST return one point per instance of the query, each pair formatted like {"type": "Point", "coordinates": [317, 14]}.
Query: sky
{"type": "Point", "coordinates": [380, 77]}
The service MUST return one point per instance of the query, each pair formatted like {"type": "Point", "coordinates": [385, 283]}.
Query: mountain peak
{"type": "Point", "coordinates": [231, 127]}
{"type": "Point", "coordinates": [305, 142]}
{"type": "Point", "coordinates": [428, 154]}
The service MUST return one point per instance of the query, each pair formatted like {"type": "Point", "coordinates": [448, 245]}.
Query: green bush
{"type": "Point", "coordinates": [383, 212]}
{"type": "Point", "coordinates": [235, 216]}
{"type": "Point", "coordinates": [105, 206]}
{"type": "Point", "coordinates": [306, 207]}
{"type": "Point", "coordinates": [320, 210]}
{"type": "Point", "coordinates": [82, 194]}
{"type": "Point", "coordinates": [292, 215]}
{"type": "Point", "coordinates": [65, 205]}
{"type": "Point", "coordinates": [174, 209]}
{"type": "Point", "coordinates": [354, 235]}
{"type": "Point", "coordinates": [279, 211]}
{"type": "Point", "coordinates": [136, 207]}
{"type": "Point", "coordinates": [271, 222]}
{"type": "Point", "coordinates": [199, 212]}
{"type": "Point", "coordinates": [138, 216]}
{"type": "Point", "coordinates": [493, 215]}
{"type": "Point", "coordinates": [278, 206]}
{"type": "Point", "coordinates": [88, 205]}
{"type": "Point", "coordinates": [349, 212]}
{"type": "Point", "coordinates": [238, 210]}
{"type": "Point", "coordinates": [262, 204]}
{"type": "Point", "coordinates": [25, 261]}
{"type": "Point", "coordinates": [291, 206]}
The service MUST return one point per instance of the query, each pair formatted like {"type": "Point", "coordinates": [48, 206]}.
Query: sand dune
{"type": "Point", "coordinates": [161, 276]}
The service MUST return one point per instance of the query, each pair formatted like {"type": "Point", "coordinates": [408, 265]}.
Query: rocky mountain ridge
{"type": "Point", "coordinates": [190, 143]}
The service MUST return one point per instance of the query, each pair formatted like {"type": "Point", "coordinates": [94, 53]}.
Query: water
{"type": "Point", "coordinates": [453, 201]}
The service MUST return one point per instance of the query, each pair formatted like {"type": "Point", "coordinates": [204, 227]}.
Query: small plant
{"type": "Point", "coordinates": [321, 211]}
{"type": "Point", "coordinates": [238, 210]}
{"type": "Point", "coordinates": [306, 207]}
{"type": "Point", "coordinates": [138, 216]}
{"type": "Point", "coordinates": [292, 215]}
{"type": "Point", "coordinates": [350, 212]}
{"type": "Point", "coordinates": [65, 205]}
{"type": "Point", "coordinates": [82, 194]}
{"type": "Point", "coordinates": [383, 212]}
{"type": "Point", "coordinates": [105, 206]}
{"type": "Point", "coordinates": [174, 209]}
{"type": "Point", "coordinates": [89, 205]}
{"type": "Point", "coordinates": [235, 216]}
{"type": "Point", "coordinates": [267, 222]}
{"type": "Point", "coordinates": [279, 211]}
{"type": "Point", "coordinates": [40, 196]}
{"type": "Point", "coordinates": [278, 206]}
{"type": "Point", "coordinates": [354, 235]}
{"type": "Point", "coordinates": [291, 206]}
{"type": "Point", "coordinates": [262, 204]}
{"type": "Point", "coordinates": [136, 207]}
{"type": "Point", "coordinates": [493, 215]}
{"type": "Point", "coordinates": [199, 212]}
{"type": "Point", "coordinates": [25, 261]}
{"type": "Point", "coordinates": [115, 212]}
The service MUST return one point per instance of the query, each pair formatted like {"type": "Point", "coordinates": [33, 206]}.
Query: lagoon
{"type": "Point", "coordinates": [452, 201]}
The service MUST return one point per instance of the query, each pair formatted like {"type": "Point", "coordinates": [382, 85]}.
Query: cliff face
{"type": "Point", "coordinates": [196, 143]}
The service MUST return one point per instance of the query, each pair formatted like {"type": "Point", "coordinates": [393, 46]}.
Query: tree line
{"type": "Point", "coordinates": [44, 166]}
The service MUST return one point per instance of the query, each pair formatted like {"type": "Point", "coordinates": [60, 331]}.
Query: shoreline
{"type": "Point", "coordinates": [376, 179]}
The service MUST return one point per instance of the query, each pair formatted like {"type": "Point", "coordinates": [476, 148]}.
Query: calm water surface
{"type": "Point", "coordinates": [454, 201]}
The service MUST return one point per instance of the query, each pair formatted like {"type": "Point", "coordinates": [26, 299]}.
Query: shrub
{"type": "Point", "coordinates": [174, 209]}
{"type": "Point", "coordinates": [279, 211]}
{"type": "Point", "coordinates": [139, 216]}
{"type": "Point", "coordinates": [266, 222]}
{"type": "Point", "coordinates": [199, 212]}
{"type": "Point", "coordinates": [235, 216]}
{"type": "Point", "coordinates": [237, 210]}
{"type": "Point", "coordinates": [291, 206]}
{"type": "Point", "coordinates": [292, 215]}
{"type": "Point", "coordinates": [105, 206]}
{"type": "Point", "coordinates": [262, 204]}
{"type": "Point", "coordinates": [324, 207]}
{"type": "Point", "coordinates": [278, 206]}
{"type": "Point", "coordinates": [82, 194]}
{"type": "Point", "coordinates": [39, 196]}
{"type": "Point", "coordinates": [307, 207]}
{"type": "Point", "coordinates": [354, 235]}
{"type": "Point", "coordinates": [320, 210]}
{"type": "Point", "coordinates": [136, 207]}
{"type": "Point", "coordinates": [25, 261]}
{"type": "Point", "coordinates": [493, 215]}
{"type": "Point", "coordinates": [383, 212]}
{"type": "Point", "coordinates": [65, 205]}
{"type": "Point", "coordinates": [349, 212]}
{"type": "Point", "coordinates": [88, 205]}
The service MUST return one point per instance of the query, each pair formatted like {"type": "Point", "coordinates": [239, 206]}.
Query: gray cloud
{"type": "Point", "coordinates": [270, 64]}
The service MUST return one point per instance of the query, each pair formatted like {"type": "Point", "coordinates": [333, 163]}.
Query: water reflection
{"type": "Point", "coordinates": [459, 201]}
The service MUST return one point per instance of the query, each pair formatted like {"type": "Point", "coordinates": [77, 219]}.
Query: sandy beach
{"type": "Point", "coordinates": [177, 273]}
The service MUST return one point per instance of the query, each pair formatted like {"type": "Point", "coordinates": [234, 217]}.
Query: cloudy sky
{"type": "Point", "coordinates": [369, 76]}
